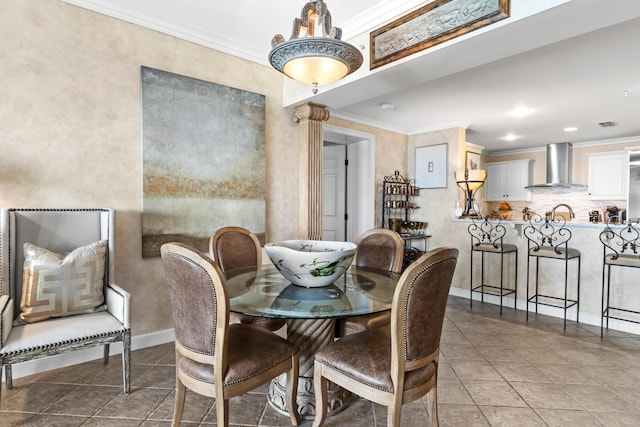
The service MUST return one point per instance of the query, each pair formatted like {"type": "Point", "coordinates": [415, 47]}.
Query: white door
{"type": "Point", "coordinates": [334, 179]}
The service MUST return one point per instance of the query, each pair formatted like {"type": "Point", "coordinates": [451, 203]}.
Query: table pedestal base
{"type": "Point", "coordinates": [310, 335]}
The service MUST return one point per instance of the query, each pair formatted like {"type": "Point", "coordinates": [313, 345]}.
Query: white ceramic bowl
{"type": "Point", "coordinates": [311, 263]}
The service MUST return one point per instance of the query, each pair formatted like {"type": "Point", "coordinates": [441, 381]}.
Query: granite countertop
{"type": "Point", "coordinates": [569, 223]}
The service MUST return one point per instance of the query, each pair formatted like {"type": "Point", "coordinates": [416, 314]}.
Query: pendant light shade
{"type": "Point", "coordinates": [310, 59]}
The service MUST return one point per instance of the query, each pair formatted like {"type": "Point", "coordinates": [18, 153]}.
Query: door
{"type": "Point", "coordinates": [334, 183]}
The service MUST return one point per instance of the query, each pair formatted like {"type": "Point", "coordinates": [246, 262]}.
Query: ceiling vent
{"type": "Point", "coordinates": [608, 124]}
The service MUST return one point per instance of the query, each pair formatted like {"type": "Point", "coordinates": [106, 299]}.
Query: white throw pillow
{"type": "Point", "coordinates": [58, 285]}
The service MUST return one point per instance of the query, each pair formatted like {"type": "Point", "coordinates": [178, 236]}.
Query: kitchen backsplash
{"type": "Point", "coordinates": [545, 199]}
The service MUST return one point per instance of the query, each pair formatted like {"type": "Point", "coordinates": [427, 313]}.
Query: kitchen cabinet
{"type": "Point", "coordinates": [608, 175]}
{"type": "Point", "coordinates": [507, 180]}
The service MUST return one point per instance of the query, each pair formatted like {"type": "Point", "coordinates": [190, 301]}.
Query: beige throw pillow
{"type": "Point", "coordinates": [58, 285]}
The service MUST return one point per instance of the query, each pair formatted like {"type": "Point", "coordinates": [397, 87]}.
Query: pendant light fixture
{"type": "Point", "coordinates": [314, 55]}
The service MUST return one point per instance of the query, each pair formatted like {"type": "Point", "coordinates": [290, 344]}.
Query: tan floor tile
{"type": "Point", "coordinates": [493, 393]}
{"type": "Point", "coordinates": [500, 416]}
{"type": "Point", "coordinates": [35, 397]}
{"type": "Point", "coordinates": [84, 400]}
{"type": "Point", "coordinates": [501, 353]}
{"type": "Point", "coordinates": [460, 351]}
{"type": "Point", "coordinates": [139, 404]}
{"type": "Point", "coordinates": [451, 390]}
{"type": "Point", "coordinates": [586, 356]}
{"type": "Point", "coordinates": [566, 374]}
{"type": "Point", "coordinates": [597, 398]}
{"type": "Point", "coordinates": [543, 355]}
{"type": "Point", "coordinates": [454, 337]}
{"type": "Point", "coordinates": [157, 376]}
{"type": "Point", "coordinates": [549, 396]}
{"type": "Point", "coordinates": [618, 419]}
{"type": "Point", "coordinates": [113, 422]}
{"type": "Point", "coordinates": [196, 408]}
{"type": "Point", "coordinates": [461, 415]}
{"type": "Point", "coordinates": [474, 369]}
{"type": "Point", "coordinates": [520, 371]}
{"type": "Point", "coordinates": [629, 394]}
{"type": "Point", "coordinates": [55, 420]}
{"type": "Point", "coordinates": [568, 418]}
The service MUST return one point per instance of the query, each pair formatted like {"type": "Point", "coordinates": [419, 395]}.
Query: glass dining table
{"type": "Point", "coordinates": [311, 314]}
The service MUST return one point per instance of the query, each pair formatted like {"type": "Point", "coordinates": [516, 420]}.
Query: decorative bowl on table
{"type": "Point", "coordinates": [311, 263]}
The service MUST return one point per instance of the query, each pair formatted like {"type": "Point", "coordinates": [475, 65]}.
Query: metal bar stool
{"type": "Point", "coordinates": [548, 238]}
{"type": "Point", "coordinates": [486, 238]}
{"type": "Point", "coordinates": [620, 249]}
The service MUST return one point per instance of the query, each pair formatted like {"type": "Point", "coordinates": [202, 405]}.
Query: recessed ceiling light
{"type": "Point", "coordinates": [511, 137]}
{"type": "Point", "coordinates": [387, 106]}
{"type": "Point", "coordinates": [570, 129]}
{"type": "Point", "coordinates": [520, 111]}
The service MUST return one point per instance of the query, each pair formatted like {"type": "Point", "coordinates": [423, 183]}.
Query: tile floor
{"type": "Point", "coordinates": [495, 371]}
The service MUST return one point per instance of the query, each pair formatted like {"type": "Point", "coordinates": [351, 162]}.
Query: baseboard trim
{"type": "Point", "coordinates": [62, 360]}
{"type": "Point", "coordinates": [586, 318]}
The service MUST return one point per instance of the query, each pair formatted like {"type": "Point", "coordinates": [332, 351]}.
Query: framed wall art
{"type": "Point", "coordinates": [471, 160]}
{"type": "Point", "coordinates": [203, 160]}
{"type": "Point", "coordinates": [431, 166]}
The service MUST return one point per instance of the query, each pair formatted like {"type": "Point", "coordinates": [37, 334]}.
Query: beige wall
{"type": "Point", "coordinates": [71, 123]}
{"type": "Point", "coordinates": [71, 127]}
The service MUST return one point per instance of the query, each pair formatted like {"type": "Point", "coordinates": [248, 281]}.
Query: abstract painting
{"type": "Point", "coordinates": [203, 151]}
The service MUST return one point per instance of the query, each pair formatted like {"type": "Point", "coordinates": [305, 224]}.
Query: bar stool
{"type": "Point", "coordinates": [548, 238]}
{"type": "Point", "coordinates": [486, 238]}
{"type": "Point", "coordinates": [620, 249]}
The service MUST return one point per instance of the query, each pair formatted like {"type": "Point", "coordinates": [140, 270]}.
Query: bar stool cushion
{"type": "Point", "coordinates": [554, 252]}
{"type": "Point", "coordinates": [622, 260]}
{"type": "Point", "coordinates": [489, 247]}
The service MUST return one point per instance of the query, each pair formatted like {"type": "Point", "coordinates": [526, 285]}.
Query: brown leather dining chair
{"type": "Point", "coordinates": [233, 248]}
{"type": "Point", "coordinates": [396, 365]}
{"type": "Point", "coordinates": [214, 358]}
{"type": "Point", "coordinates": [382, 249]}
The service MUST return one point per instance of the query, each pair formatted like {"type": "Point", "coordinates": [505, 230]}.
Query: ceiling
{"type": "Point", "coordinates": [571, 62]}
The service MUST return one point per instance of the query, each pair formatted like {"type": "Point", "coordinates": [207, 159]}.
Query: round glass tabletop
{"type": "Point", "coordinates": [263, 291]}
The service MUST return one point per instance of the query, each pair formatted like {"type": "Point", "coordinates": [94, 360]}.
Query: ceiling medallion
{"type": "Point", "coordinates": [310, 59]}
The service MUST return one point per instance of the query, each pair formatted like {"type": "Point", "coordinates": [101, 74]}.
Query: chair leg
{"type": "Point", "coordinates": [320, 385]}
{"type": "Point", "coordinates": [394, 411]}
{"type": "Point", "coordinates": [126, 361]}
{"type": "Point", "coordinates": [105, 355]}
{"type": "Point", "coordinates": [8, 377]}
{"type": "Point", "coordinates": [222, 411]}
{"type": "Point", "coordinates": [178, 404]}
{"type": "Point", "coordinates": [432, 406]}
{"type": "Point", "coordinates": [292, 390]}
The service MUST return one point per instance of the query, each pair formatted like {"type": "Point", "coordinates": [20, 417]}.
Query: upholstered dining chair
{"type": "Point", "coordinates": [236, 247]}
{"type": "Point", "coordinates": [56, 281]}
{"type": "Point", "coordinates": [214, 358]}
{"type": "Point", "coordinates": [396, 365]}
{"type": "Point", "coordinates": [382, 249]}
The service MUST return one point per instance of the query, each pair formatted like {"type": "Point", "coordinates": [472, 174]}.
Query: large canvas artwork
{"type": "Point", "coordinates": [203, 153]}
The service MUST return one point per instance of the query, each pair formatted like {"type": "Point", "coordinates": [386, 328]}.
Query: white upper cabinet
{"type": "Point", "coordinates": [507, 180]}
{"type": "Point", "coordinates": [608, 175]}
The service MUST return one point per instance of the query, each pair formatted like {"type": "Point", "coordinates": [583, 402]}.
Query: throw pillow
{"type": "Point", "coordinates": [58, 285]}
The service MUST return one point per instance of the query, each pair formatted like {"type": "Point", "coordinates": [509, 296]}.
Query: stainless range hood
{"type": "Point", "coordinates": [559, 166]}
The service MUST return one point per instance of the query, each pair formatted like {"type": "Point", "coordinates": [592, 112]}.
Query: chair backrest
{"type": "Point", "coordinates": [57, 230]}
{"type": "Point", "coordinates": [547, 233]}
{"type": "Point", "coordinates": [235, 247]}
{"type": "Point", "coordinates": [487, 232]}
{"type": "Point", "coordinates": [199, 302]}
{"type": "Point", "coordinates": [418, 309]}
{"type": "Point", "coordinates": [380, 248]}
{"type": "Point", "coordinates": [622, 241]}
